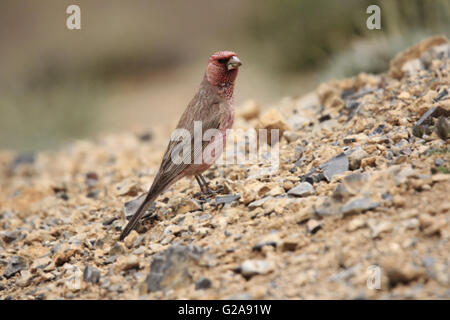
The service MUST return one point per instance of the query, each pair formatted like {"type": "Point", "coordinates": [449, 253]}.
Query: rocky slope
{"type": "Point", "coordinates": [361, 192]}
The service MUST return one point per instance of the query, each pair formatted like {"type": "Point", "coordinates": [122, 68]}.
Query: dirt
{"type": "Point", "coordinates": [358, 208]}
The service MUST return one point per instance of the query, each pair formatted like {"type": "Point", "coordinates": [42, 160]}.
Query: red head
{"type": "Point", "coordinates": [222, 68]}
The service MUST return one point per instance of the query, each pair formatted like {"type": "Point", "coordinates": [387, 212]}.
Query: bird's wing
{"type": "Point", "coordinates": [211, 116]}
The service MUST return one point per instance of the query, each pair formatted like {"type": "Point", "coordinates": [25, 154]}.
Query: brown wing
{"type": "Point", "coordinates": [202, 108]}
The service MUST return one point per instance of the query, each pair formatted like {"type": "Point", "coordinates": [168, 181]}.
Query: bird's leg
{"type": "Point", "coordinates": [199, 181]}
{"type": "Point", "coordinates": [206, 184]}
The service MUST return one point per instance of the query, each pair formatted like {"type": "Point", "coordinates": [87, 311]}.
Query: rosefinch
{"type": "Point", "coordinates": [213, 107]}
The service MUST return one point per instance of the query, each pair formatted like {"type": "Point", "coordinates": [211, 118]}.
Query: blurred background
{"type": "Point", "coordinates": [136, 64]}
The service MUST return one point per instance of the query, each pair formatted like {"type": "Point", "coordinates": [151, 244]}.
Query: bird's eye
{"type": "Point", "coordinates": [222, 61]}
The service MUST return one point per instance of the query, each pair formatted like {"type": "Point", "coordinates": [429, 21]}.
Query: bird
{"type": "Point", "coordinates": [213, 107]}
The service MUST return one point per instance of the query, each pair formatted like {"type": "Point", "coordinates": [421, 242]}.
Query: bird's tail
{"type": "Point", "coordinates": [146, 204]}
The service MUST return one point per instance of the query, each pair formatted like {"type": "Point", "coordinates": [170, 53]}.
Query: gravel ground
{"type": "Point", "coordinates": [358, 209]}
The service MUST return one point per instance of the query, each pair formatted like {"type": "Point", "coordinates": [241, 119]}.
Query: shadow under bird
{"type": "Point", "coordinates": [213, 107]}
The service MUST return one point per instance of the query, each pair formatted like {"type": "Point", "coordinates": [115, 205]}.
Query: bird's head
{"type": "Point", "coordinates": [222, 68]}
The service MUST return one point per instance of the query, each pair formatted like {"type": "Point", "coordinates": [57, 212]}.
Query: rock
{"type": "Point", "coordinates": [443, 128]}
{"type": "Point", "coordinates": [249, 110]}
{"type": "Point", "coordinates": [358, 205]}
{"type": "Point", "coordinates": [346, 274]}
{"type": "Point", "coordinates": [378, 228]}
{"type": "Point", "coordinates": [188, 205]}
{"type": "Point", "coordinates": [413, 66]}
{"type": "Point", "coordinates": [354, 158]}
{"type": "Point", "coordinates": [356, 224]}
{"type": "Point", "coordinates": [302, 190]}
{"type": "Point", "coordinates": [433, 112]}
{"type": "Point", "coordinates": [290, 136]}
{"type": "Point", "coordinates": [337, 165]}
{"type": "Point", "coordinates": [15, 265]}
{"type": "Point", "coordinates": [127, 187]}
{"type": "Point", "coordinates": [125, 263]}
{"type": "Point", "coordinates": [250, 268]}
{"type": "Point", "coordinates": [25, 278]}
{"type": "Point", "coordinates": [259, 203]}
{"type": "Point", "coordinates": [269, 240]}
{"type": "Point", "coordinates": [116, 250]}
{"type": "Point", "coordinates": [130, 239]}
{"type": "Point", "coordinates": [202, 283]}
{"type": "Point", "coordinates": [312, 226]}
{"type": "Point", "coordinates": [416, 51]}
{"type": "Point", "coordinates": [270, 120]}
{"type": "Point", "coordinates": [401, 273]}
{"type": "Point", "coordinates": [170, 269]}
{"type": "Point", "coordinates": [10, 236]}
{"type": "Point", "coordinates": [145, 136]}
{"type": "Point", "coordinates": [91, 274]}
{"type": "Point", "coordinates": [439, 162]}
{"type": "Point", "coordinates": [40, 263]}
{"type": "Point", "coordinates": [222, 200]}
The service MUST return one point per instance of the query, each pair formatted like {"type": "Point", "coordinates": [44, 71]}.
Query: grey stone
{"type": "Point", "coordinates": [91, 274]}
{"type": "Point", "coordinates": [302, 190]}
{"type": "Point", "coordinates": [337, 165]}
{"type": "Point", "coordinates": [259, 203]}
{"type": "Point", "coordinates": [250, 268]}
{"type": "Point", "coordinates": [359, 205]}
{"type": "Point", "coordinates": [227, 199]}
{"type": "Point", "coordinates": [15, 265]}
{"type": "Point", "coordinates": [202, 284]}
{"type": "Point", "coordinates": [170, 269]}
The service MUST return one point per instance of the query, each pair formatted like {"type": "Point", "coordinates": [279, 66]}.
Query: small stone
{"type": "Point", "coordinates": [404, 95]}
{"type": "Point", "coordinates": [130, 239]}
{"type": "Point", "coordinates": [40, 263]}
{"type": "Point", "coordinates": [354, 158]}
{"type": "Point", "coordinates": [188, 205]}
{"type": "Point", "coordinates": [335, 166]}
{"type": "Point", "coordinates": [15, 265]}
{"type": "Point", "coordinates": [249, 110]}
{"type": "Point", "coordinates": [202, 284]}
{"type": "Point", "coordinates": [356, 224]}
{"type": "Point", "coordinates": [378, 228]}
{"type": "Point", "coordinates": [116, 250]}
{"type": "Point", "coordinates": [269, 240]}
{"type": "Point", "coordinates": [250, 268]}
{"type": "Point", "coordinates": [259, 203]}
{"type": "Point", "coordinates": [170, 269]}
{"type": "Point", "coordinates": [25, 278]}
{"type": "Point", "coordinates": [302, 190]}
{"type": "Point", "coordinates": [127, 187]}
{"type": "Point", "coordinates": [10, 236]}
{"type": "Point", "coordinates": [312, 226]}
{"type": "Point", "coordinates": [272, 120]}
{"type": "Point", "coordinates": [400, 273]}
{"type": "Point", "coordinates": [91, 274]}
{"type": "Point", "coordinates": [413, 66]}
{"type": "Point", "coordinates": [443, 128]}
{"type": "Point", "coordinates": [290, 136]}
{"type": "Point", "coordinates": [358, 205]}
{"type": "Point", "coordinates": [439, 162]}
{"type": "Point", "coordinates": [125, 263]}
{"type": "Point", "coordinates": [227, 199]}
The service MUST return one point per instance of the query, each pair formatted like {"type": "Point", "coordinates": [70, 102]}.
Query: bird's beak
{"type": "Point", "coordinates": [233, 63]}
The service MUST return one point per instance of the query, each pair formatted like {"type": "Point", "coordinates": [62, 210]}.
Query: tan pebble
{"type": "Point", "coordinates": [124, 263]}
{"type": "Point", "coordinates": [130, 239]}
{"type": "Point", "coordinates": [249, 110]}
{"type": "Point", "coordinates": [355, 224]}
{"type": "Point", "coordinates": [404, 95]}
